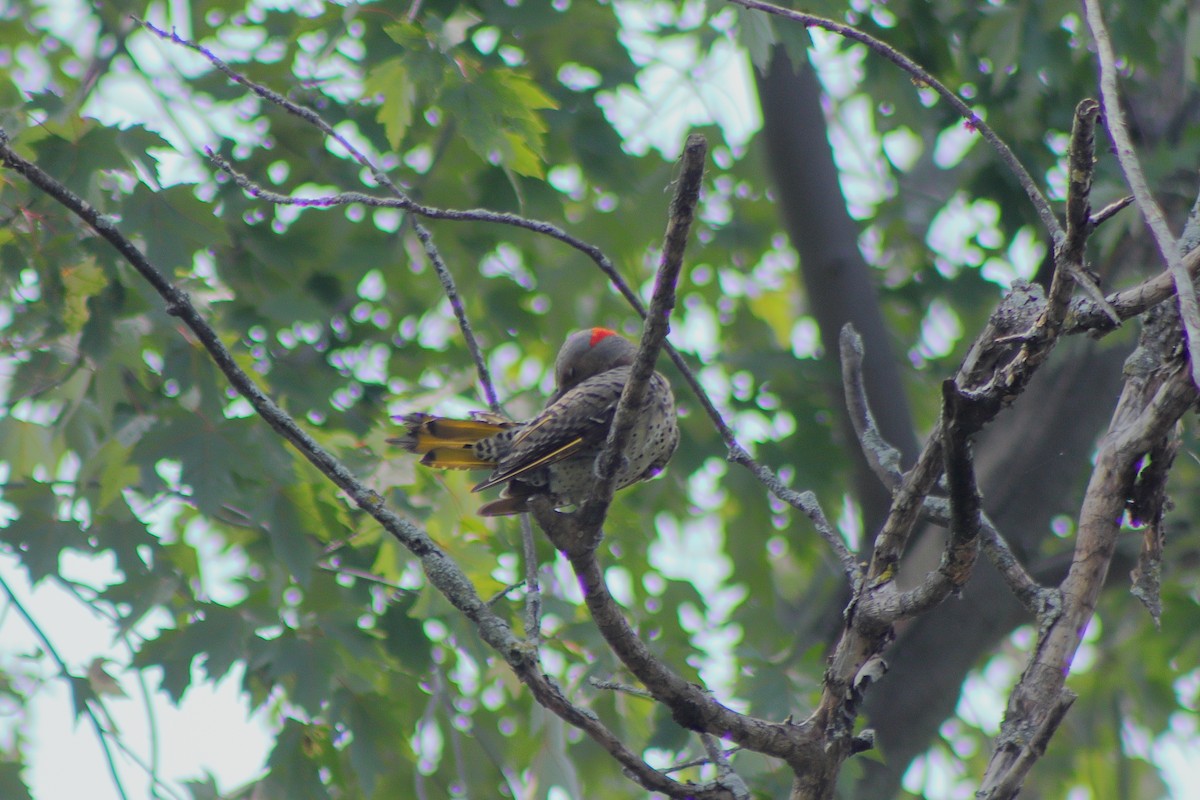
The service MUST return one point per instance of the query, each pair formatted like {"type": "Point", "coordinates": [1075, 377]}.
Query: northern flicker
{"type": "Point", "coordinates": [554, 454]}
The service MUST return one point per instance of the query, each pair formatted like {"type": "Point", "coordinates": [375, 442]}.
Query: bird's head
{"type": "Point", "coordinates": [588, 353]}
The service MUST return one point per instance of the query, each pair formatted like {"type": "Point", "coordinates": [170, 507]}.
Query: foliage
{"type": "Point", "coordinates": [122, 441]}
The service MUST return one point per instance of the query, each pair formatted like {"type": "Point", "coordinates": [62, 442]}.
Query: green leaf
{"type": "Point", "coordinates": [25, 446]}
{"type": "Point", "coordinates": [82, 281]}
{"type": "Point", "coordinates": [498, 114]}
{"type": "Point", "coordinates": [38, 535]}
{"type": "Point", "coordinates": [291, 534]}
{"type": "Point", "coordinates": [303, 662]}
{"type": "Point", "coordinates": [381, 734]}
{"type": "Point", "coordinates": [12, 786]}
{"type": "Point", "coordinates": [407, 35]}
{"type": "Point", "coordinates": [293, 773]}
{"type": "Point", "coordinates": [391, 80]}
{"type": "Point", "coordinates": [220, 633]}
{"type": "Point", "coordinates": [81, 694]}
{"type": "Point", "coordinates": [404, 636]}
{"type": "Point", "coordinates": [205, 788]}
{"type": "Point", "coordinates": [173, 224]}
{"type": "Point", "coordinates": [756, 32]}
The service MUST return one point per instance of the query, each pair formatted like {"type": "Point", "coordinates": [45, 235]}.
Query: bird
{"type": "Point", "coordinates": [554, 454]}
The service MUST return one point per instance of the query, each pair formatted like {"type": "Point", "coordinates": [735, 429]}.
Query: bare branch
{"type": "Point", "coordinates": [1069, 267]}
{"type": "Point", "coordinates": [962, 546]}
{"type": "Point", "coordinates": [460, 314]}
{"type": "Point", "coordinates": [883, 458]}
{"type": "Point", "coordinates": [691, 706]}
{"type": "Point", "coordinates": [1168, 245]}
{"type": "Point", "coordinates": [807, 503]}
{"type": "Point", "coordinates": [1109, 211]}
{"type": "Point", "coordinates": [725, 774]}
{"type": "Point", "coordinates": [699, 762]}
{"type": "Point", "coordinates": [885, 461]}
{"type": "Point", "coordinates": [1086, 316]}
{"type": "Point", "coordinates": [1158, 391]}
{"type": "Point", "coordinates": [533, 585]}
{"type": "Point", "coordinates": [624, 688]}
{"type": "Point", "coordinates": [662, 301]}
{"type": "Point", "coordinates": [406, 203]}
{"type": "Point", "coordinates": [1031, 750]}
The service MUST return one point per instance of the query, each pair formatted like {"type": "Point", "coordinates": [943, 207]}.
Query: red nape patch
{"type": "Point", "coordinates": [600, 334]}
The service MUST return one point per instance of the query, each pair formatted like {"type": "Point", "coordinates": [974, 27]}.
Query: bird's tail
{"type": "Point", "coordinates": [450, 443]}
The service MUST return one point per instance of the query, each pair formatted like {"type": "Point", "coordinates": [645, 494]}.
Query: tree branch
{"type": "Point", "coordinates": [440, 570]}
{"type": "Point", "coordinates": [1085, 316]}
{"type": "Point", "coordinates": [883, 458]}
{"type": "Point", "coordinates": [658, 324]}
{"type": "Point", "coordinates": [691, 706]}
{"type": "Point", "coordinates": [962, 546]}
{"type": "Point", "coordinates": [807, 503]}
{"type": "Point", "coordinates": [885, 461]}
{"type": "Point", "coordinates": [1168, 245]}
{"type": "Point", "coordinates": [1069, 265]}
{"type": "Point", "coordinates": [1158, 391]}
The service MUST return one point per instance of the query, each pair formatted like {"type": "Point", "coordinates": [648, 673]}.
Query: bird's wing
{"type": "Point", "coordinates": [579, 419]}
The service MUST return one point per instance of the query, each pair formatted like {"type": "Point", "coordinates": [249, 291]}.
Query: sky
{"type": "Point", "coordinates": [56, 738]}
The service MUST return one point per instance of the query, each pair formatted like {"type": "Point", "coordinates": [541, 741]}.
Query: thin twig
{"type": "Point", "coordinates": [623, 688]}
{"type": "Point", "coordinates": [1127, 156]}
{"type": "Point", "coordinates": [1109, 211]}
{"type": "Point", "coordinates": [65, 673]}
{"type": "Point", "coordinates": [805, 502]}
{"type": "Point", "coordinates": [533, 585]}
{"type": "Point", "coordinates": [460, 314]}
{"type": "Point", "coordinates": [380, 177]}
{"type": "Point", "coordinates": [921, 77]}
{"type": "Point", "coordinates": [502, 593]}
{"type": "Point", "coordinates": [882, 457]}
{"type": "Point", "coordinates": [698, 762]}
{"type": "Point", "coordinates": [726, 776]}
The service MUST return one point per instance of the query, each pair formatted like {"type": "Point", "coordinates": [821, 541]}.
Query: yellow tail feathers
{"type": "Point", "coordinates": [460, 457]}
{"type": "Point", "coordinates": [448, 443]}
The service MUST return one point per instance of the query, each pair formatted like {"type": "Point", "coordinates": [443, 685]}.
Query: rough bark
{"type": "Point", "coordinates": [1026, 475]}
